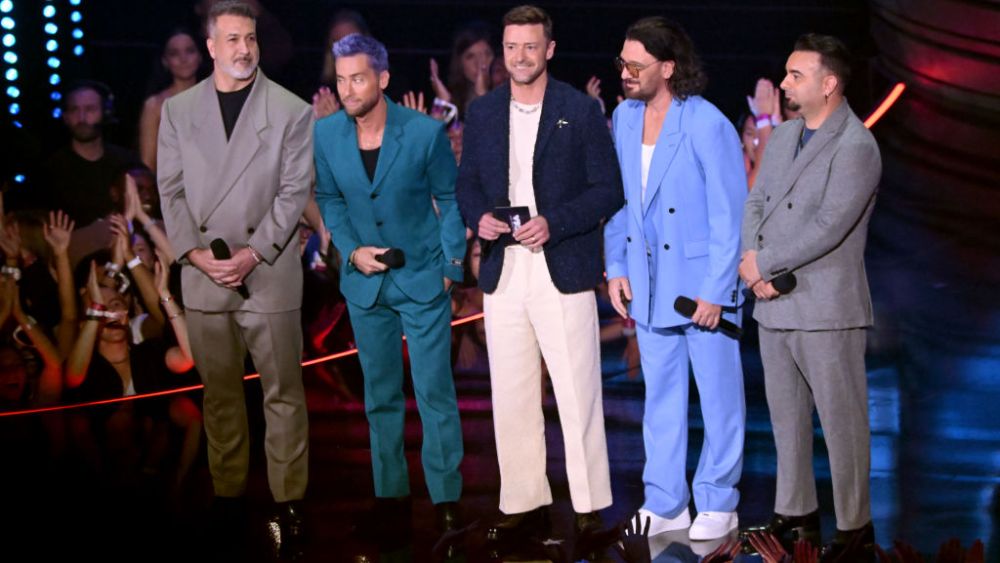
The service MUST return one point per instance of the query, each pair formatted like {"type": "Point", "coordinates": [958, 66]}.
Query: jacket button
{"type": "Point", "coordinates": [628, 239]}
{"type": "Point", "coordinates": [768, 198]}
{"type": "Point", "coordinates": [373, 196]}
{"type": "Point", "coordinates": [203, 229]}
{"type": "Point", "coordinates": [625, 203]}
{"type": "Point", "coordinates": [250, 231]}
{"type": "Point", "coordinates": [666, 247]}
{"type": "Point", "coordinates": [760, 238]}
{"type": "Point", "coordinates": [789, 205]}
{"type": "Point", "coordinates": [378, 223]}
{"type": "Point", "coordinates": [671, 210]}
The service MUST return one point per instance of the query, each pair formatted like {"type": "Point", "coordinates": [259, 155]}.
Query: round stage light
{"type": "Point", "coordinates": [14, 108]}
{"type": "Point", "coordinates": [7, 22]}
{"type": "Point", "coordinates": [51, 45]}
{"type": "Point", "coordinates": [78, 50]}
{"type": "Point", "coordinates": [77, 33]}
{"type": "Point", "coordinates": [74, 2]}
{"type": "Point", "coordinates": [49, 11]}
{"type": "Point", "coordinates": [53, 62]}
{"type": "Point", "coordinates": [75, 17]}
{"type": "Point", "coordinates": [55, 96]}
{"type": "Point", "coordinates": [6, 6]}
{"type": "Point", "coordinates": [11, 74]}
{"type": "Point", "coordinates": [54, 79]}
{"type": "Point", "coordinates": [20, 177]}
{"type": "Point", "coordinates": [51, 28]}
{"type": "Point", "coordinates": [10, 57]}
{"type": "Point", "coordinates": [13, 91]}
{"type": "Point", "coordinates": [9, 40]}
{"type": "Point", "coordinates": [57, 113]}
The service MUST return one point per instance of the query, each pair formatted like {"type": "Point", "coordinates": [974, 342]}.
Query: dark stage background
{"type": "Point", "coordinates": [933, 254]}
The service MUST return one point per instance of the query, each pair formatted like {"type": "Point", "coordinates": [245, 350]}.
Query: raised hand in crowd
{"type": "Point", "coordinates": [440, 90]}
{"type": "Point", "coordinates": [415, 101]}
{"type": "Point", "coordinates": [10, 238]}
{"type": "Point", "coordinates": [952, 551]}
{"type": "Point", "coordinates": [901, 553]}
{"type": "Point", "coordinates": [123, 254]}
{"type": "Point", "coordinates": [178, 359]}
{"type": "Point", "coordinates": [634, 544]}
{"type": "Point", "coordinates": [58, 233]}
{"type": "Point", "coordinates": [324, 103]}
{"type": "Point", "coordinates": [806, 552]}
{"type": "Point", "coordinates": [593, 89]}
{"type": "Point", "coordinates": [134, 211]}
{"type": "Point", "coordinates": [725, 552]}
{"type": "Point", "coordinates": [769, 548]}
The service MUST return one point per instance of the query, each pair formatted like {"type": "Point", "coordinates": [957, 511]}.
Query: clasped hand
{"type": "Point", "coordinates": [228, 273]}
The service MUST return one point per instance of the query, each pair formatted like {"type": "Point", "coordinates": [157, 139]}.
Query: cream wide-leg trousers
{"type": "Point", "coordinates": [527, 319]}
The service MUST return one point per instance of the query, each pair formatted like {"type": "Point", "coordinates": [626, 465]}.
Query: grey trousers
{"type": "Point", "coordinates": [219, 343]}
{"type": "Point", "coordinates": [825, 369]}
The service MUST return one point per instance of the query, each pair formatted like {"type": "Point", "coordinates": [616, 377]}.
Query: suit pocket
{"type": "Point", "coordinates": [694, 249]}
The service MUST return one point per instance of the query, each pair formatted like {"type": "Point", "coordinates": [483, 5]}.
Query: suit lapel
{"type": "Point", "coordinates": [666, 147]}
{"type": "Point", "coordinates": [821, 138]}
{"type": "Point", "coordinates": [391, 142]}
{"type": "Point", "coordinates": [210, 137]}
{"type": "Point", "coordinates": [551, 119]}
{"type": "Point", "coordinates": [243, 143]}
{"type": "Point", "coordinates": [630, 138]}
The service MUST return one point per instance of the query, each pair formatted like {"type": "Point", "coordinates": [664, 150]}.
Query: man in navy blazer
{"type": "Point", "coordinates": [679, 235]}
{"type": "Point", "coordinates": [540, 144]}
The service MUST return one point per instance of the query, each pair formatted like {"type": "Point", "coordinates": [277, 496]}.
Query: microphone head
{"type": "Point", "coordinates": [784, 283]}
{"type": "Point", "coordinates": [220, 250]}
{"type": "Point", "coordinates": [394, 258]}
{"type": "Point", "coordinates": [685, 306]}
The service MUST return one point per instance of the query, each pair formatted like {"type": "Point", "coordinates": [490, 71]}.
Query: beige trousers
{"type": "Point", "coordinates": [528, 319]}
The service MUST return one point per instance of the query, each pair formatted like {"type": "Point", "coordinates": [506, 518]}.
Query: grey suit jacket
{"type": "Point", "coordinates": [250, 190]}
{"type": "Point", "coordinates": [808, 214]}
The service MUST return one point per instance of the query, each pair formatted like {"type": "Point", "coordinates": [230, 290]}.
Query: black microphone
{"type": "Point", "coordinates": [784, 283]}
{"type": "Point", "coordinates": [394, 258]}
{"type": "Point", "coordinates": [220, 250]}
{"type": "Point", "coordinates": [687, 306]}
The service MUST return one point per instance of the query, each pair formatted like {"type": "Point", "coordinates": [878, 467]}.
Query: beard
{"type": "Point", "coordinates": [634, 91]}
{"type": "Point", "coordinates": [794, 106]}
{"type": "Point", "coordinates": [535, 72]}
{"type": "Point", "coordinates": [362, 109]}
{"type": "Point", "coordinates": [240, 73]}
{"type": "Point", "coordinates": [85, 132]}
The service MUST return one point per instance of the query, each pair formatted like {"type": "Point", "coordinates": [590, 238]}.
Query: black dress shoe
{"type": "Point", "coordinates": [448, 516]}
{"type": "Point", "coordinates": [534, 523]}
{"type": "Point", "coordinates": [588, 523]}
{"type": "Point", "coordinates": [851, 545]}
{"type": "Point", "coordinates": [787, 530]}
{"type": "Point", "coordinates": [286, 530]}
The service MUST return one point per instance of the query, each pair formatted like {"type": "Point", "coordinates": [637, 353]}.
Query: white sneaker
{"type": "Point", "coordinates": [658, 524]}
{"type": "Point", "coordinates": [713, 525]}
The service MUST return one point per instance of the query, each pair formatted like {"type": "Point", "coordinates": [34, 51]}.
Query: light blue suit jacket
{"type": "Point", "coordinates": [396, 209]}
{"type": "Point", "coordinates": [684, 238]}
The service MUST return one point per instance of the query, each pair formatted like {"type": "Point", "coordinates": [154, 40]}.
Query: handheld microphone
{"type": "Point", "coordinates": [784, 283]}
{"type": "Point", "coordinates": [687, 306]}
{"type": "Point", "coordinates": [220, 250]}
{"type": "Point", "coordinates": [394, 258]}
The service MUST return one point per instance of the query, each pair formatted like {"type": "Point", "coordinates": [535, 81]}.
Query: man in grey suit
{"type": "Point", "coordinates": [235, 169]}
{"type": "Point", "coordinates": [808, 215]}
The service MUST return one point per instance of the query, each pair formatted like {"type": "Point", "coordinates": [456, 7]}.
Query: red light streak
{"type": "Point", "coordinates": [887, 103]}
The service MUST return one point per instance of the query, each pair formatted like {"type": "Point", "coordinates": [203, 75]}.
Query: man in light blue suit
{"type": "Point", "coordinates": [679, 235]}
{"type": "Point", "coordinates": [380, 169]}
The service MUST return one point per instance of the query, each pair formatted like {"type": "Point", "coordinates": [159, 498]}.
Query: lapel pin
{"type": "Point", "coordinates": [561, 123]}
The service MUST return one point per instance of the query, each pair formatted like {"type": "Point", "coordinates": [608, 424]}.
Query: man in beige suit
{"type": "Point", "coordinates": [235, 165]}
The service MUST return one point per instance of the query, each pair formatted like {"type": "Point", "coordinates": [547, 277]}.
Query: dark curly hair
{"type": "Point", "coordinates": [667, 41]}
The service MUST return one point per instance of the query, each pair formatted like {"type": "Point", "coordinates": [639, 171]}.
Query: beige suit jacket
{"type": "Point", "coordinates": [249, 190]}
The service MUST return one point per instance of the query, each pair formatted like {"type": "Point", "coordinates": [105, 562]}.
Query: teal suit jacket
{"type": "Point", "coordinates": [415, 164]}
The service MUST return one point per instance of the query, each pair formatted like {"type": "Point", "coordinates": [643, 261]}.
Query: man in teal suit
{"type": "Point", "coordinates": [380, 170]}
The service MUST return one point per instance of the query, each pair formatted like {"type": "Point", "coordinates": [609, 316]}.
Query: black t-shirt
{"type": "Point", "coordinates": [231, 104]}
{"type": "Point", "coordinates": [149, 374]}
{"type": "Point", "coordinates": [81, 187]}
{"type": "Point", "coordinates": [370, 160]}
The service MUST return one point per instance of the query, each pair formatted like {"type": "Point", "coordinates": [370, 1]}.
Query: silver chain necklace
{"type": "Point", "coordinates": [518, 107]}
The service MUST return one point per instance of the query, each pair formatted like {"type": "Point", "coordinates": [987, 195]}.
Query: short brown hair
{"type": "Point", "coordinates": [529, 15]}
{"type": "Point", "coordinates": [833, 55]}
